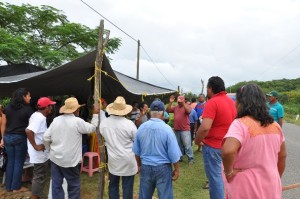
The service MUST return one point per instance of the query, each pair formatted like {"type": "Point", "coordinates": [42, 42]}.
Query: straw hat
{"type": "Point", "coordinates": [71, 105]}
{"type": "Point", "coordinates": [118, 107]}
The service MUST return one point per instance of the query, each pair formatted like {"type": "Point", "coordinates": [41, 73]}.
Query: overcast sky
{"type": "Point", "coordinates": [195, 39]}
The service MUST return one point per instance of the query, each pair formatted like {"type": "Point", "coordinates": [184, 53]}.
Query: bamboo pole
{"type": "Point", "coordinates": [97, 96]}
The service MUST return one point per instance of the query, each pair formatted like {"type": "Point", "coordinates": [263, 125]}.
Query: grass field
{"type": "Point", "coordinates": [188, 186]}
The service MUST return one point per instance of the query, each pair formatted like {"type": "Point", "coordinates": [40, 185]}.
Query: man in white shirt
{"type": "Point", "coordinates": [119, 134]}
{"type": "Point", "coordinates": [64, 138]}
{"type": "Point", "coordinates": [38, 155]}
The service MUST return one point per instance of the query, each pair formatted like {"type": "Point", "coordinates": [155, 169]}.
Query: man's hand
{"type": "Point", "coordinates": [96, 108]}
{"type": "Point", "coordinates": [39, 147]}
{"type": "Point", "coordinates": [172, 98]}
{"type": "Point", "coordinates": [2, 143]}
{"type": "Point", "coordinates": [175, 175]}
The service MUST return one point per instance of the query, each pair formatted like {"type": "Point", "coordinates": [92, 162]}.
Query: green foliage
{"type": "Point", "coordinates": [5, 101]}
{"type": "Point", "coordinates": [289, 90]}
{"type": "Point", "coordinates": [43, 36]}
{"type": "Point", "coordinates": [190, 95]}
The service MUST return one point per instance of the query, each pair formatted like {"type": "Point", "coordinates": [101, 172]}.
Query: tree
{"type": "Point", "coordinates": [43, 36]}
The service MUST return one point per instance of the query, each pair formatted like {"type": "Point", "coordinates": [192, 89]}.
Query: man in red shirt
{"type": "Point", "coordinates": [219, 112]}
{"type": "Point", "coordinates": [182, 126]}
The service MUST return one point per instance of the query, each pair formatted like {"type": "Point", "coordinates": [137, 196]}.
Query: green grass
{"type": "Point", "coordinates": [189, 185]}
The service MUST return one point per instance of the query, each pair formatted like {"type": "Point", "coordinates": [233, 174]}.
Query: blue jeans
{"type": "Point", "coordinates": [159, 177]}
{"type": "Point", "coordinates": [72, 175]}
{"type": "Point", "coordinates": [16, 149]}
{"type": "Point", "coordinates": [127, 186]}
{"type": "Point", "coordinates": [185, 144]}
{"type": "Point", "coordinates": [213, 168]}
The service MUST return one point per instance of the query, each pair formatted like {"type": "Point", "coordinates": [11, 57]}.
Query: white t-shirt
{"type": "Point", "coordinates": [38, 125]}
{"type": "Point", "coordinates": [119, 134]}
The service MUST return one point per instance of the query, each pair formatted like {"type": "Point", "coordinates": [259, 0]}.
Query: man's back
{"type": "Point", "coordinates": [65, 138]}
{"type": "Point", "coordinates": [119, 134]}
{"type": "Point", "coordinates": [221, 109]}
{"type": "Point", "coordinates": [156, 143]}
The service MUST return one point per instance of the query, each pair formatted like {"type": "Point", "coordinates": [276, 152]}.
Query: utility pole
{"type": "Point", "coordinates": [97, 96]}
{"type": "Point", "coordinates": [138, 61]}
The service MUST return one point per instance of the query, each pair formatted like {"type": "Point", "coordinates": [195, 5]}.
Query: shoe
{"type": "Point", "coordinates": [191, 162]}
{"type": "Point", "coordinates": [181, 159]}
{"type": "Point", "coordinates": [206, 186]}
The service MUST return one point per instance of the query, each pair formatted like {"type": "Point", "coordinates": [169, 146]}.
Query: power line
{"type": "Point", "coordinates": [129, 37]}
{"type": "Point", "coordinates": [278, 61]}
{"type": "Point", "coordinates": [157, 67]}
{"type": "Point", "coordinates": [109, 21]}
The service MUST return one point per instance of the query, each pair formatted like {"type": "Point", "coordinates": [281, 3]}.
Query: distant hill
{"type": "Point", "coordinates": [289, 89]}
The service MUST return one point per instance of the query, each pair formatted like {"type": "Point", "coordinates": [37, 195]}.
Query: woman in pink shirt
{"type": "Point", "coordinates": [253, 150]}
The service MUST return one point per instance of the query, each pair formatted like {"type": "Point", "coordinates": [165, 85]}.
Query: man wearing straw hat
{"type": "Point", "coordinates": [64, 138]}
{"type": "Point", "coordinates": [119, 134]}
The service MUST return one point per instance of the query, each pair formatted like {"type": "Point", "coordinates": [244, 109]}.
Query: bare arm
{"type": "Point", "coordinates": [187, 108]}
{"type": "Point", "coordinates": [203, 130]}
{"type": "Point", "coordinates": [281, 159]}
{"type": "Point", "coordinates": [3, 125]}
{"type": "Point", "coordinates": [138, 161]}
{"type": "Point", "coordinates": [176, 171]}
{"type": "Point", "coordinates": [229, 152]}
{"type": "Point", "coordinates": [30, 136]}
{"type": "Point", "coordinates": [280, 122]}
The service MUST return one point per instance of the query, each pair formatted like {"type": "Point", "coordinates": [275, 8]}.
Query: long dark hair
{"type": "Point", "coordinates": [17, 100]}
{"type": "Point", "coordinates": [251, 101]}
{"type": "Point", "coordinates": [216, 84]}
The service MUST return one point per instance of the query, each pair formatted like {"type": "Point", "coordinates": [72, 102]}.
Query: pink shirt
{"type": "Point", "coordinates": [221, 109]}
{"type": "Point", "coordinates": [181, 118]}
{"type": "Point", "coordinates": [257, 157]}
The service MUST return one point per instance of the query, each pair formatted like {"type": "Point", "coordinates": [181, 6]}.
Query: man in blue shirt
{"type": "Point", "coordinates": [276, 109]}
{"type": "Point", "coordinates": [156, 149]}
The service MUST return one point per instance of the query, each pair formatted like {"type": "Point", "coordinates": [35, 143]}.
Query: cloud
{"type": "Point", "coordinates": [196, 39]}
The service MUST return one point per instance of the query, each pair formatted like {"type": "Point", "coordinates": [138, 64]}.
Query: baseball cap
{"type": "Point", "coordinates": [180, 98]}
{"type": "Point", "coordinates": [273, 94]}
{"type": "Point", "coordinates": [44, 102]}
{"type": "Point", "coordinates": [157, 106]}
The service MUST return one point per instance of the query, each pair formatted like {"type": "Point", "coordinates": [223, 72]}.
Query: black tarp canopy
{"type": "Point", "coordinates": [74, 78]}
{"type": "Point", "coordinates": [18, 69]}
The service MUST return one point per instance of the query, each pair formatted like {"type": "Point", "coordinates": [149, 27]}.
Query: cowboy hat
{"type": "Point", "coordinates": [71, 105]}
{"type": "Point", "coordinates": [118, 107]}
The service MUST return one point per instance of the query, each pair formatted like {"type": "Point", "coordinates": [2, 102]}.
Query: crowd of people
{"type": "Point", "coordinates": [233, 136]}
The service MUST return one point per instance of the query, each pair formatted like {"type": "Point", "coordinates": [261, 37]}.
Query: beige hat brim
{"type": "Point", "coordinates": [110, 110]}
{"type": "Point", "coordinates": [63, 109]}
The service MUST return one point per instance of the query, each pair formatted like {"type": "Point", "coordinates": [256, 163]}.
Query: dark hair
{"type": "Point", "coordinates": [17, 100]}
{"type": "Point", "coordinates": [252, 102]}
{"type": "Point", "coordinates": [193, 99]}
{"type": "Point", "coordinates": [134, 103]}
{"type": "Point", "coordinates": [216, 84]}
{"type": "Point", "coordinates": [141, 105]}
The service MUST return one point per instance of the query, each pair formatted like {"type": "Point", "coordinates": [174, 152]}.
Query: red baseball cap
{"type": "Point", "coordinates": [180, 98]}
{"type": "Point", "coordinates": [44, 102]}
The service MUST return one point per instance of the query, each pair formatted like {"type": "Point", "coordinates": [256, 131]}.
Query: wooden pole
{"type": "Point", "coordinates": [97, 96]}
{"type": "Point", "coordinates": [291, 186]}
{"type": "Point", "coordinates": [138, 61]}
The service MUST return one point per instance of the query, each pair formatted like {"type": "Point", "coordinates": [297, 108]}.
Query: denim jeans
{"type": "Point", "coordinates": [159, 177]}
{"type": "Point", "coordinates": [213, 168]}
{"type": "Point", "coordinates": [72, 175]}
{"type": "Point", "coordinates": [127, 186]}
{"type": "Point", "coordinates": [16, 149]}
{"type": "Point", "coordinates": [185, 144]}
